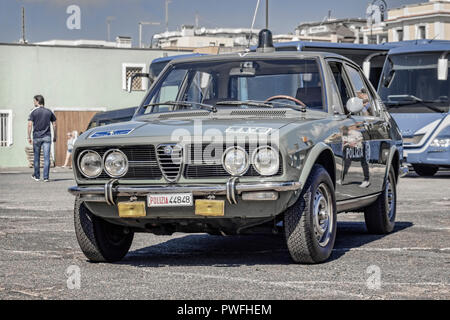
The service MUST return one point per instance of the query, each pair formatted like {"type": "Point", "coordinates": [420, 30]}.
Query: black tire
{"type": "Point", "coordinates": [100, 240]}
{"type": "Point", "coordinates": [425, 171]}
{"type": "Point", "coordinates": [379, 216]}
{"type": "Point", "coordinates": [302, 241]}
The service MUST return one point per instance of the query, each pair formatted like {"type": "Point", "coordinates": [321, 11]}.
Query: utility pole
{"type": "Point", "coordinates": [141, 23]}
{"type": "Point", "coordinates": [167, 14]}
{"type": "Point", "coordinates": [196, 20]}
{"type": "Point", "coordinates": [108, 26]}
{"type": "Point", "coordinates": [23, 40]}
{"type": "Point", "coordinates": [267, 14]}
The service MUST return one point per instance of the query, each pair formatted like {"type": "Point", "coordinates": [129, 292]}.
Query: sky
{"type": "Point", "coordinates": [47, 19]}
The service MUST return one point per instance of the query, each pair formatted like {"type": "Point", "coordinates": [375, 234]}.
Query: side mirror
{"type": "Point", "coordinates": [138, 75]}
{"type": "Point", "coordinates": [366, 69]}
{"type": "Point", "coordinates": [354, 105]}
{"type": "Point", "coordinates": [443, 68]}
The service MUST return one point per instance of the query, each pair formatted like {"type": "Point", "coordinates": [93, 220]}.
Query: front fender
{"type": "Point", "coordinates": [314, 156]}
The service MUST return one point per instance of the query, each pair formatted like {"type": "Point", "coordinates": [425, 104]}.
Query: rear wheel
{"type": "Point", "coordinates": [380, 216]}
{"type": "Point", "coordinates": [100, 240]}
{"type": "Point", "coordinates": [425, 171]}
{"type": "Point", "coordinates": [310, 224]}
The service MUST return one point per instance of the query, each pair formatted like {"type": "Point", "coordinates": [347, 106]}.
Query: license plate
{"type": "Point", "coordinates": [131, 209]}
{"type": "Point", "coordinates": [170, 200]}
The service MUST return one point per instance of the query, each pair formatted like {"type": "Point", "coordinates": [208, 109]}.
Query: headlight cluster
{"type": "Point", "coordinates": [443, 143]}
{"type": "Point", "coordinates": [114, 162]}
{"type": "Point", "coordinates": [265, 160]}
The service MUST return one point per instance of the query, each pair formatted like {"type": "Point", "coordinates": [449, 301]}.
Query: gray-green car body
{"type": "Point", "coordinates": [306, 137]}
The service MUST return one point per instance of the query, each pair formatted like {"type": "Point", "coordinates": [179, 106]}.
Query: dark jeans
{"type": "Point", "coordinates": [44, 142]}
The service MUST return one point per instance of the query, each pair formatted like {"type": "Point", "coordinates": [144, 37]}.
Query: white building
{"type": "Point", "coordinates": [335, 30]}
{"type": "Point", "coordinates": [428, 20]}
{"type": "Point", "coordinates": [190, 37]}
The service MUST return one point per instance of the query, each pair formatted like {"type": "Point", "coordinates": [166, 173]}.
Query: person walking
{"type": "Point", "coordinates": [71, 137]}
{"type": "Point", "coordinates": [39, 121]}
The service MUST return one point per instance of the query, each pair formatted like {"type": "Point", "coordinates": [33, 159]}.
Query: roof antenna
{"type": "Point", "coordinates": [253, 23]}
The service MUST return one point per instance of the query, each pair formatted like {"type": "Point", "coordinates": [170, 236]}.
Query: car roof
{"type": "Point", "coordinates": [178, 56]}
{"type": "Point", "coordinates": [334, 45]}
{"type": "Point", "coordinates": [412, 47]}
{"type": "Point", "coordinates": [260, 55]}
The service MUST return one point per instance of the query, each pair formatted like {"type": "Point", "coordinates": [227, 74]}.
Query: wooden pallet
{"type": "Point", "coordinates": [30, 157]}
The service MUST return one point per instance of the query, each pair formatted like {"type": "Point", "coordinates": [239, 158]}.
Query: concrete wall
{"type": "Point", "coordinates": [68, 78]}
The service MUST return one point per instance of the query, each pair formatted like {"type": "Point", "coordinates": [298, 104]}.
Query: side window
{"type": "Point", "coordinates": [201, 88]}
{"type": "Point", "coordinates": [361, 91]}
{"type": "Point", "coordinates": [169, 90]}
{"type": "Point", "coordinates": [342, 87]}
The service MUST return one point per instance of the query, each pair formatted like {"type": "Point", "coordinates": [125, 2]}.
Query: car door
{"type": "Point", "coordinates": [377, 147]}
{"type": "Point", "coordinates": [352, 172]}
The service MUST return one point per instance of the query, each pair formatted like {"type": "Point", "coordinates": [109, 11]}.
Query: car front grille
{"type": "Point", "coordinates": [170, 160]}
{"type": "Point", "coordinates": [142, 162]}
{"type": "Point", "coordinates": [204, 162]}
{"type": "Point", "coordinates": [147, 162]}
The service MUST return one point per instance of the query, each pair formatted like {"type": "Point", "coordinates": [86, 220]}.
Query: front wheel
{"type": "Point", "coordinates": [100, 240]}
{"type": "Point", "coordinates": [310, 224]}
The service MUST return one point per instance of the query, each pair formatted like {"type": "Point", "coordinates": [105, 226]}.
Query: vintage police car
{"type": "Point", "coordinates": [237, 144]}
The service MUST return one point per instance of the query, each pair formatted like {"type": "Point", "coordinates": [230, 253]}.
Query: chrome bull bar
{"type": "Point", "coordinates": [231, 189]}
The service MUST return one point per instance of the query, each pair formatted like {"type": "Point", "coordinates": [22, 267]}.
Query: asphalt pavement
{"type": "Point", "coordinates": [40, 257]}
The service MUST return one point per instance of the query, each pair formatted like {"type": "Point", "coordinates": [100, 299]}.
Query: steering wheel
{"type": "Point", "coordinates": [297, 101]}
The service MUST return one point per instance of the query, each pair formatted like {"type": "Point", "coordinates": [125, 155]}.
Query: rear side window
{"type": "Point", "coordinates": [338, 73]}
{"type": "Point", "coordinates": [361, 91]}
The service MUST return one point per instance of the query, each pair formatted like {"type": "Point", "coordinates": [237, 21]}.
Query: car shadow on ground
{"type": "Point", "coordinates": [234, 251]}
{"type": "Point", "coordinates": [441, 174]}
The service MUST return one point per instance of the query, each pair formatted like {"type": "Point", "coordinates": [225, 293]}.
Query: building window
{"type": "Point", "coordinates": [421, 32]}
{"type": "Point", "coordinates": [399, 34]}
{"type": "Point", "coordinates": [130, 69]}
{"type": "Point", "coordinates": [5, 128]}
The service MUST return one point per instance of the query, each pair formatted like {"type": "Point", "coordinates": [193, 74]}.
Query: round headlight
{"type": "Point", "coordinates": [266, 161]}
{"type": "Point", "coordinates": [116, 163]}
{"type": "Point", "coordinates": [90, 164]}
{"type": "Point", "coordinates": [235, 161]}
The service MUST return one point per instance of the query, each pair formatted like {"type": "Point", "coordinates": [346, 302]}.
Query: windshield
{"type": "Point", "coordinates": [409, 84]}
{"type": "Point", "coordinates": [228, 83]}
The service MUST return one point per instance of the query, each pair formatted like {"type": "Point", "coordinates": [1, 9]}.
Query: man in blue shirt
{"type": "Point", "coordinates": [39, 120]}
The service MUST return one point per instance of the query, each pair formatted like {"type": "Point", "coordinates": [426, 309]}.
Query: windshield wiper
{"type": "Point", "coordinates": [264, 104]}
{"type": "Point", "coordinates": [414, 100]}
{"type": "Point", "coordinates": [184, 104]}
{"type": "Point", "coordinates": [245, 103]}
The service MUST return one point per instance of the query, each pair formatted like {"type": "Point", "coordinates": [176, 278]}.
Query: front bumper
{"type": "Point", "coordinates": [109, 192]}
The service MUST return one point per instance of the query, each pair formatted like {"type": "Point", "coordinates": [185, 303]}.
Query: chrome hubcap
{"type": "Point", "coordinates": [322, 215]}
